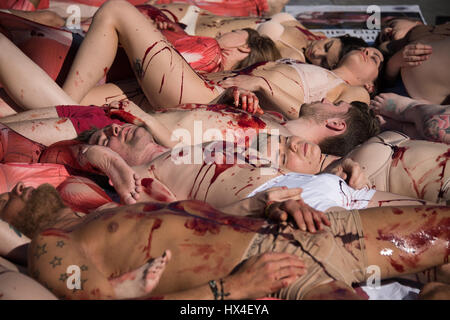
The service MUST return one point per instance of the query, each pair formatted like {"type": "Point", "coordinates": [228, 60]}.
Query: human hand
{"type": "Point", "coordinates": [250, 83]}
{"type": "Point", "coordinates": [415, 54]}
{"type": "Point", "coordinates": [245, 99]}
{"type": "Point", "coordinates": [262, 275]}
{"type": "Point", "coordinates": [306, 217]}
{"type": "Point", "coordinates": [350, 171]}
{"type": "Point", "coordinates": [121, 176]}
{"type": "Point", "coordinates": [126, 110]}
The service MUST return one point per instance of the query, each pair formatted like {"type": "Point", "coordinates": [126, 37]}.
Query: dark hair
{"type": "Point", "coordinates": [350, 43]}
{"type": "Point", "coordinates": [86, 135]}
{"type": "Point", "coordinates": [361, 125]}
{"type": "Point", "coordinates": [262, 48]}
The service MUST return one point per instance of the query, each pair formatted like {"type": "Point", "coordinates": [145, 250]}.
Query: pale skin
{"type": "Point", "coordinates": [414, 168]}
{"type": "Point", "coordinates": [419, 119]}
{"type": "Point", "coordinates": [211, 25]}
{"type": "Point", "coordinates": [179, 280]}
{"type": "Point", "coordinates": [182, 84]}
{"type": "Point", "coordinates": [419, 63]}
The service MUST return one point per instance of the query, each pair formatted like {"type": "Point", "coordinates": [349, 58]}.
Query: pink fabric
{"type": "Point", "coordinates": [46, 46]}
{"type": "Point", "coordinates": [16, 148]}
{"type": "Point", "coordinates": [79, 193]}
{"type": "Point", "coordinates": [86, 117]}
{"type": "Point", "coordinates": [235, 8]}
{"type": "Point", "coordinates": [202, 53]}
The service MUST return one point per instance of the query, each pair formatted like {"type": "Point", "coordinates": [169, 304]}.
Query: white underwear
{"type": "Point", "coordinates": [190, 19]}
{"type": "Point", "coordinates": [321, 191]}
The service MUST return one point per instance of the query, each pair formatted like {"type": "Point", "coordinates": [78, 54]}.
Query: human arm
{"type": "Point", "coordinates": [256, 278]}
{"type": "Point", "coordinates": [11, 240]}
{"type": "Point", "coordinates": [411, 55]}
{"type": "Point", "coordinates": [348, 170]}
{"type": "Point", "coordinates": [132, 113]}
{"type": "Point", "coordinates": [279, 204]}
{"type": "Point", "coordinates": [270, 94]}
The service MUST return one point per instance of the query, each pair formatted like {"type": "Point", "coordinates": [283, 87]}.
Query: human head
{"type": "Point", "coordinates": [131, 142]}
{"type": "Point", "coordinates": [298, 155]}
{"type": "Point", "coordinates": [329, 51]}
{"type": "Point", "coordinates": [31, 210]}
{"type": "Point", "coordinates": [365, 64]}
{"type": "Point", "coordinates": [257, 48]}
{"type": "Point", "coordinates": [359, 122]}
{"type": "Point", "coordinates": [396, 29]}
{"type": "Point", "coordinates": [292, 153]}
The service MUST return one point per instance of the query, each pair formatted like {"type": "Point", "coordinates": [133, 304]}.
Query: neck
{"type": "Point", "coordinates": [348, 76]}
{"type": "Point", "coordinates": [305, 128]}
{"type": "Point", "coordinates": [68, 219]}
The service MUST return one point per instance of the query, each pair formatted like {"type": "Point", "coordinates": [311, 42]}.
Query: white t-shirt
{"type": "Point", "coordinates": [321, 191]}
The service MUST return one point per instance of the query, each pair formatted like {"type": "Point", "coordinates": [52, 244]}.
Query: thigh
{"type": "Point", "coordinates": [165, 77]}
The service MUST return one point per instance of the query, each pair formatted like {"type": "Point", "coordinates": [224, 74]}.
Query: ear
{"type": "Point", "coordinates": [244, 49]}
{"type": "Point", "coordinates": [336, 124]}
{"type": "Point", "coordinates": [370, 87]}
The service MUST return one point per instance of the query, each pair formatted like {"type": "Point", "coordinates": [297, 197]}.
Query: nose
{"type": "Point", "coordinates": [114, 130]}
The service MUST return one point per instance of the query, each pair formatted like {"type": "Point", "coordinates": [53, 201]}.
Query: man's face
{"type": "Point", "coordinates": [128, 140]}
{"type": "Point", "coordinates": [323, 110]}
{"type": "Point", "coordinates": [26, 207]}
{"type": "Point", "coordinates": [11, 203]}
{"type": "Point", "coordinates": [233, 39]}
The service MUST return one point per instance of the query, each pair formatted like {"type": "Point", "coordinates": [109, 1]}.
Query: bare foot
{"type": "Point", "coordinates": [142, 280]}
{"type": "Point", "coordinates": [394, 106]}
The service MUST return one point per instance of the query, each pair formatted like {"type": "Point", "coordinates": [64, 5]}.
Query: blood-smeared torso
{"type": "Point", "coordinates": [414, 168]}
{"type": "Point", "coordinates": [219, 122]}
{"type": "Point", "coordinates": [120, 240]}
{"type": "Point", "coordinates": [214, 178]}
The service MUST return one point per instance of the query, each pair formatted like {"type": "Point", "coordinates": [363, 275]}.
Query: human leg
{"type": "Point", "coordinates": [27, 84]}
{"type": "Point", "coordinates": [408, 239]}
{"type": "Point", "coordinates": [431, 121]}
{"type": "Point", "coordinates": [164, 76]}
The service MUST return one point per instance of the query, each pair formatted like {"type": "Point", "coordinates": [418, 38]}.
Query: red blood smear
{"type": "Point", "coordinates": [55, 232]}
{"type": "Point", "coordinates": [153, 206]}
{"type": "Point", "coordinates": [105, 71]}
{"type": "Point", "coordinates": [397, 211]}
{"type": "Point", "coordinates": [397, 266]}
{"type": "Point", "coordinates": [246, 121]}
{"type": "Point", "coordinates": [399, 152]}
{"type": "Point", "coordinates": [156, 192]}
{"type": "Point", "coordinates": [125, 116]}
{"type": "Point", "coordinates": [249, 185]}
{"type": "Point", "coordinates": [201, 227]}
{"type": "Point", "coordinates": [61, 121]}
{"type": "Point", "coordinates": [162, 83]}
{"type": "Point", "coordinates": [147, 248]}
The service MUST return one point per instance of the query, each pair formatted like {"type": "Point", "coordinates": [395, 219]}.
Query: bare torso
{"type": "Point", "coordinates": [430, 80]}
{"type": "Point", "coordinates": [198, 244]}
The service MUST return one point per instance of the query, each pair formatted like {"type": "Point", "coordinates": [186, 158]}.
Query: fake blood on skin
{"type": "Point", "coordinates": [147, 248]}
{"type": "Point", "coordinates": [157, 193]}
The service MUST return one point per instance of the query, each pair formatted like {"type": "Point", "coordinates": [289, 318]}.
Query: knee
{"type": "Point", "coordinates": [111, 10]}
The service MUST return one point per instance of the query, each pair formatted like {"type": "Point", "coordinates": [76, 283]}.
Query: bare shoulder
{"type": "Point", "coordinates": [354, 93]}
